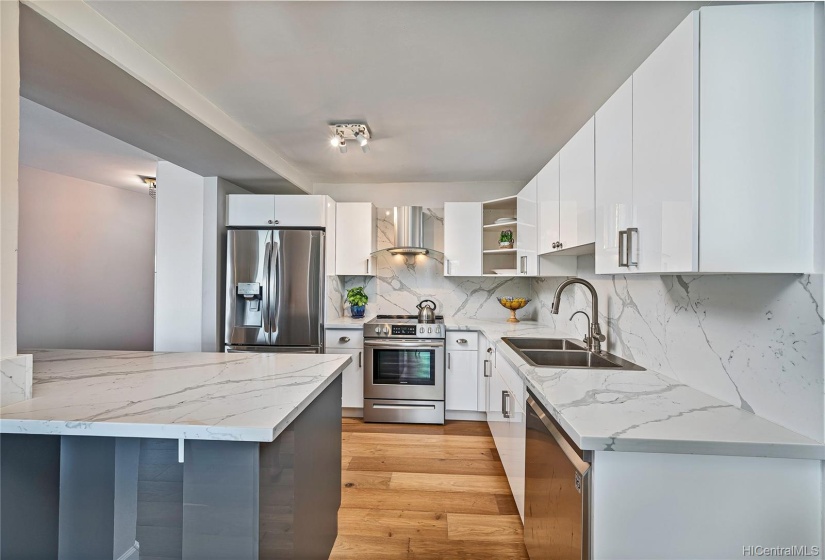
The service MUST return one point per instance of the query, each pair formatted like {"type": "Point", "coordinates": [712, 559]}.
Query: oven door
{"type": "Point", "coordinates": [395, 369]}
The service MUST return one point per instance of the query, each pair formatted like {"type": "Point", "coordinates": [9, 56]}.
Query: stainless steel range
{"type": "Point", "coordinates": [404, 370]}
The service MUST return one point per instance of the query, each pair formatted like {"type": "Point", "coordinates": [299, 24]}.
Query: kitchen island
{"type": "Point", "coordinates": [259, 436]}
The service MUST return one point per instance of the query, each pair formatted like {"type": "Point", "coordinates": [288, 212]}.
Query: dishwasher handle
{"type": "Point", "coordinates": [573, 454]}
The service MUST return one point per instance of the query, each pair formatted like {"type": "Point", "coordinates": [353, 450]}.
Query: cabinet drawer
{"type": "Point", "coordinates": [344, 338]}
{"type": "Point", "coordinates": [462, 340]}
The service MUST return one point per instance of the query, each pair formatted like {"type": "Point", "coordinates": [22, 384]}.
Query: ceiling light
{"type": "Point", "coordinates": [335, 140]}
{"type": "Point", "coordinates": [363, 142]}
{"type": "Point", "coordinates": [359, 132]}
{"type": "Point", "coordinates": [152, 183]}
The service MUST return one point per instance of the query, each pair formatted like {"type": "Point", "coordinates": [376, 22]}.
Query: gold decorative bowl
{"type": "Point", "coordinates": [513, 304]}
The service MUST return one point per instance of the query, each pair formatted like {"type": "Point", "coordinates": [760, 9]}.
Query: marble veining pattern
{"type": "Point", "coordinates": [216, 396]}
{"type": "Point", "coordinates": [15, 379]}
{"type": "Point", "coordinates": [754, 341]}
{"type": "Point", "coordinates": [641, 411]}
{"type": "Point", "coordinates": [403, 281]}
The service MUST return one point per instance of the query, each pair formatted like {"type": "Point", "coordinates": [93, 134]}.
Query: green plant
{"type": "Point", "coordinates": [357, 296]}
{"type": "Point", "coordinates": [506, 236]}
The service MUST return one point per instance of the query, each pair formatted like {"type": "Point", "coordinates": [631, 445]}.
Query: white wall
{"type": "Point", "coordinates": [178, 259]}
{"type": "Point", "coordinates": [432, 195]}
{"type": "Point", "coordinates": [9, 141]}
{"type": "Point", "coordinates": [85, 264]}
{"type": "Point", "coordinates": [191, 251]}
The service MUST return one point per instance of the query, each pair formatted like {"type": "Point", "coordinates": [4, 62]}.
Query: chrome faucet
{"type": "Point", "coordinates": [595, 338]}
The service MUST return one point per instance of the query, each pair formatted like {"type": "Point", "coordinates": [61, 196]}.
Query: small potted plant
{"type": "Point", "coordinates": [357, 299]}
{"type": "Point", "coordinates": [505, 240]}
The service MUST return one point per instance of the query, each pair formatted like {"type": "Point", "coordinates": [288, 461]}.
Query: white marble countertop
{"type": "Point", "coordinates": [643, 411]}
{"type": "Point", "coordinates": [347, 322]}
{"type": "Point", "coordinates": [243, 397]}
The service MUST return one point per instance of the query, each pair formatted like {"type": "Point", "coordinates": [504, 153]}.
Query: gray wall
{"type": "Point", "coordinates": [86, 260]}
{"type": "Point", "coordinates": [214, 260]}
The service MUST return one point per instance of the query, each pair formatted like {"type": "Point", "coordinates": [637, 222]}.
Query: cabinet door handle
{"type": "Point", "coordinates": [343, 339]}
{"type": "Point", "coordinates": [448, 360]}
{"type": "Point", "coordinates": [505, 400]}
{"type": "Point", "coordinates": [623, 248]}
{"type": "Point", "coordinates": [359, 359]}
{"type": "Point", "coordinates": [449, 267]}
{"type": "Point", "coordinates": [524, 265]}
{"type": "Point", "coordinates": [369, 266]}
{"type": "Point", "coordinates": [269, 221]}
{"type": "Point", "coordinates": [630, 233]}
{"type": "Point", "coordinates": [487, 369]}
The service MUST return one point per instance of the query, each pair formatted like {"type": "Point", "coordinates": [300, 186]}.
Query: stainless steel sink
{"type": "Point", "coordinates": [567, 359]}
{"type": "Point", "coordinates": [565, 353]}
{"type": "Point", "coordinates": [544, 344]}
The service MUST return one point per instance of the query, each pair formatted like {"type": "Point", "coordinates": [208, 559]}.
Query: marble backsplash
{"type": "Point", "coordinates": [402, 281]}
{"type": "Point", "coordinates": [755, 341]}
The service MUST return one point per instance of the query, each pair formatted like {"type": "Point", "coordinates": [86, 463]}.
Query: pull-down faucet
{"type": "Point", "coordinates": [595, 338]}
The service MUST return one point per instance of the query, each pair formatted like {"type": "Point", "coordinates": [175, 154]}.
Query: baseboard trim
{"type": "Point", "coordinates": [352, 412]}
{"type": "Point", "coordinates": [471, 415]}
{"type": "Point", "coordinates": [132, 553]}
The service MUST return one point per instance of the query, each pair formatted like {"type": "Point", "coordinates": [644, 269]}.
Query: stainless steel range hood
{"type": "Point", "coordinates": [409, 231]}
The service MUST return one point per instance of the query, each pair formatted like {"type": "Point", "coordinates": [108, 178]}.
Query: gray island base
{"type": "Point", "coordinates": [76, 497]}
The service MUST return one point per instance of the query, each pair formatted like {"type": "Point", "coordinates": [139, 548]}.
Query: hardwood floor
{"type": "Point", "coordinates": [414, 491]}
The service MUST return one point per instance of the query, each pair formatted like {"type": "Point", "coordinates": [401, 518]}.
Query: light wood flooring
{"type": "Point", "coordinates": [419, 491]}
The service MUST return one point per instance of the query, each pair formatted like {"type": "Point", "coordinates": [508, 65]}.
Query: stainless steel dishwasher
{"type": "Point", "coordinates": [557, 490]}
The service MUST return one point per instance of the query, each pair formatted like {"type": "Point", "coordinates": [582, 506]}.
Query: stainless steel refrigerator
{"type": "Point", "coordinates": [274, 290]}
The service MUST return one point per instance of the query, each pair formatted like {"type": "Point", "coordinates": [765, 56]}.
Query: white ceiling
{"type": "Point", "coordinates": [453, 91]}
{"type": "Point", "coordinates": [53, 142]}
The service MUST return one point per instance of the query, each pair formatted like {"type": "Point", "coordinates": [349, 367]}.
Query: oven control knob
{"type": "Point", "coordinates": [437, 330]}
{"type": "Point", "coordinates": [386, 330]}
{"type": "Point", "coordinates": [377, 330]}
{"type": "Point", "coordinates": [421, 329]}
{"type": "Point", "coordinates": [429, 329]}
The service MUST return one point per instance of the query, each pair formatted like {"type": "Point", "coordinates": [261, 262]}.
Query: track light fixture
{"type": "Point", "coordinates": [359, 132]}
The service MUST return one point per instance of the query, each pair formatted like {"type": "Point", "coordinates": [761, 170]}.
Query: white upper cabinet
{"type": "Point", "coordinates": [527, 235]}
{"type": "Point", "coordinates": [462, 239]}
{"type": "Point", "coordinates": [723, 134]}
{"type": "Point", "coordinates": [355, 239]}
{"type": "Point", "coordinates": [665, 150]}
{"type": "Point", "coordinates": [576, 189]}
{"type": "Point", "coordinates": [758, 137]}
{"type": "Point", "coordinates": [255, 210]}
{"type": "Point", "coordinates": [548, 206]}
{"type": "Point", "coordinates": [250, 210]}
{"type": "Point", "coordinates": [614, 178]}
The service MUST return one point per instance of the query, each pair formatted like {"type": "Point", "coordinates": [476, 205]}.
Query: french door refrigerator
{"type": "Point", "coordinates": [274, 284]}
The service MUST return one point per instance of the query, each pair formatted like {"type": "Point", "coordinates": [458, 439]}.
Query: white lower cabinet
{"type": "Point", "coordinates": [346, 341]}
{"type": "Point", "coordinates": [462, 373]}
{"type": "Point", "coordinates": [461, 383]}
{"type": "Point", "coordinates": [508, 424]}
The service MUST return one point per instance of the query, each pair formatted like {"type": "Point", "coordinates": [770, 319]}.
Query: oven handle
{"type": "Point", "coordinates": [397, 344]}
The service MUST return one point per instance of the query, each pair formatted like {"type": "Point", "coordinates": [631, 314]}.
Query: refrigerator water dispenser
{"type": "Point", "coordinates": [250, 299]}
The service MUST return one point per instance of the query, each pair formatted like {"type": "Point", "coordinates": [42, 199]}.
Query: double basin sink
{"type": "Point", "coordinates": [564, 353]}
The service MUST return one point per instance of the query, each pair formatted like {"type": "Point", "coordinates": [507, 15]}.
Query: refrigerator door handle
{"type": "Point", "coordinates": [267, 295]}
{"type": "Point", "coordinates": [274, 308]}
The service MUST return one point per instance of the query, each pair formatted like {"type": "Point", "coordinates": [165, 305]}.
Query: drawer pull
{"type": "Point", "coordinates": [343, 339]}
{"type": "Point", "coordinates": [461, 341]}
